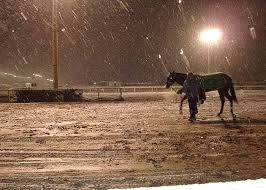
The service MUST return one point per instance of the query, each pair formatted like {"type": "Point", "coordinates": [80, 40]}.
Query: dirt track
{"type": "Point", "coordinates": [142, 141]}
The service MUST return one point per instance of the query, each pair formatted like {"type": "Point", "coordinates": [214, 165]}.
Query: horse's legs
{"type": "Point", "coordinates": [230, 98]}
{"type": "Point", "coordinates": [221, 94]}
{"type": "Point", "coordinates": [181, 102]}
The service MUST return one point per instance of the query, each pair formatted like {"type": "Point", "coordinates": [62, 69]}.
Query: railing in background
{"type": "Point", "coordinates": [8, 95]}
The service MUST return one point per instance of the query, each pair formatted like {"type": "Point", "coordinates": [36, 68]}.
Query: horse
{"type": "Point", "coordinates": [209, 82]}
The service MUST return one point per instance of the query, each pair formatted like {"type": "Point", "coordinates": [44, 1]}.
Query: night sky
{"type": "Point", "coordinates": [131, 40]}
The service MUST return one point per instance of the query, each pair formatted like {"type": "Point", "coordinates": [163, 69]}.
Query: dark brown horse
{"type": "Point", "coordinates": [210, 82]}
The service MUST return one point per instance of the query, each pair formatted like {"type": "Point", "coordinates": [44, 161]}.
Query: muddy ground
{"type": "Point", "coordinates": [142, 141]}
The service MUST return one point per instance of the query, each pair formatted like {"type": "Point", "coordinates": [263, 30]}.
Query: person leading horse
{"type": "Point", "coordinates": [194, 93]}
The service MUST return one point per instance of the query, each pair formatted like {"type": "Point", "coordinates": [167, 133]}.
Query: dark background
{"type": "Point", "coordinates": [122, 39]}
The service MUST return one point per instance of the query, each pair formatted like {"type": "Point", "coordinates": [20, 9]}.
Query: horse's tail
{"type": "Point", "coordinates": [233, 93]}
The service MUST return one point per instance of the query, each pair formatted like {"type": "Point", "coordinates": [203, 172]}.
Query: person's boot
{"type": "Point", "coordinates": [192, 118]}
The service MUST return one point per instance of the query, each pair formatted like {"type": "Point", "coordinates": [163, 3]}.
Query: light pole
{"type": "Point", "coordinates": [55, 43]}
{"type": "Point", "coordinates": [162, 62]}
{"type": "Point", "coordinates": [210, 36]}
{"type": "Point", "coordinates": [182, 53]}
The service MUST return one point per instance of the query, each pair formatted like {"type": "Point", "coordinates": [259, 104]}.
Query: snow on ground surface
{"type": "Point", "coordinates": [140, 142]}
{"type": "Point", "coordinates": [259, 184]}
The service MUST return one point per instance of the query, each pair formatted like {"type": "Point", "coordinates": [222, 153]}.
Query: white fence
{"type": "Point", "coordinates": [117, 92]}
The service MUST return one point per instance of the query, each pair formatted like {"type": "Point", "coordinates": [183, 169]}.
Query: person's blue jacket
{"type": "Point", "coordinates": [191, 88]}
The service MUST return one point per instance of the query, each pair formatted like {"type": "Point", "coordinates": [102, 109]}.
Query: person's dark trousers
{"type": "Point", "coordinates": [192, 102]}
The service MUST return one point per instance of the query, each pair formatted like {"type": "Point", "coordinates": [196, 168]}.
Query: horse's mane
{"type": "Point", "coordinates": [179, 74]}
{"type": "Point", "coordinates": [179, 77]}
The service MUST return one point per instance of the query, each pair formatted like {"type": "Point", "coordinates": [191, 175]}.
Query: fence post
{"type": "Point", "coordinates": [8, 93]}
{"type": "Point", "coordinates": [98, 90]}
{"type": "Point", "coordinates": [120, 93]}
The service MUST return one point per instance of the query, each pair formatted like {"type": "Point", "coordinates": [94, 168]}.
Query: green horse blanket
{"type": "Point", "coordinates": [212, 81]}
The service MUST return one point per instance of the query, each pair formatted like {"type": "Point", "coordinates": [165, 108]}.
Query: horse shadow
{"type": "Point", "coordinates": [234, 123]}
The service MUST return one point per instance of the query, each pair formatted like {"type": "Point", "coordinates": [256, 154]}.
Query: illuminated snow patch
{"type": "Point", "coordinates": [61, 123]}
{"type": "Point", "coordinates": [259, 184]}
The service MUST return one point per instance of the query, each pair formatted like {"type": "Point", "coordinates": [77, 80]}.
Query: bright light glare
{"type": "Point", "coordinates": [211, 35]}
{"type": "Point", "coordinates": [37, 75]}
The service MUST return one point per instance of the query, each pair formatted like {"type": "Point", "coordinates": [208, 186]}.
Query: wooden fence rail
{"type": "Point", "coordinates": [9, 94]}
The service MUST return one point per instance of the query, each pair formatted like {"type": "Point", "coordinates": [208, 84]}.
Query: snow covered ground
{"type": "Point", "coordinates": [140, 142]}
{"type": "Point", "coordinates": [259, 184]}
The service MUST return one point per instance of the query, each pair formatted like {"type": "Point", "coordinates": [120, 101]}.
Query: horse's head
{"type": "Point", "coordinates": [175, 77]}
{"type": "Point", "coordinates": [170, 80]}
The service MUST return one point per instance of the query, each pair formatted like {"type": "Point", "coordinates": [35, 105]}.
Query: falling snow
{"type": "Point", "coordinates": [23, 15]}
{"type": "Point", "coordinates": [138, 38]}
